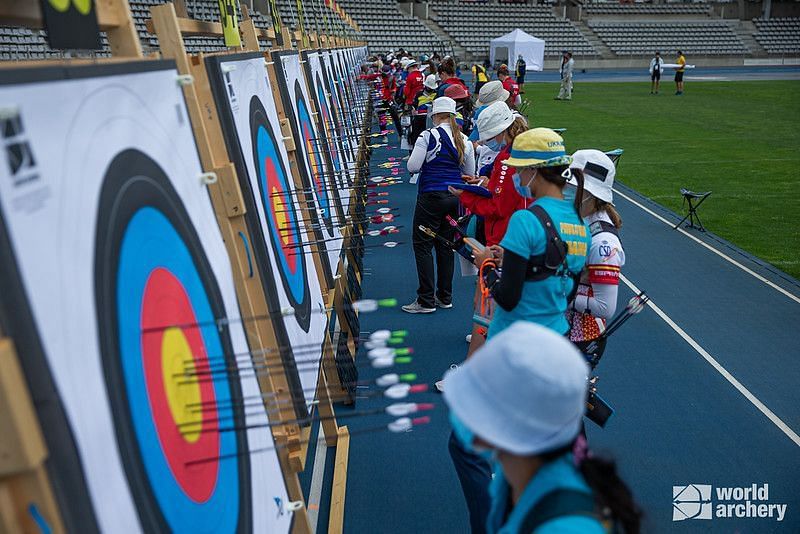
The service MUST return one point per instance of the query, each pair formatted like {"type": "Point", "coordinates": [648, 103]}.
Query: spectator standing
{"type": "Point", "coordinates": [656, 67]}
{"type": "Point", "coordinates": [679, 73]}
{"type": "Point", "coordinates": [567, 64]}
{"type": "Point", "coordinates": [519, 73]}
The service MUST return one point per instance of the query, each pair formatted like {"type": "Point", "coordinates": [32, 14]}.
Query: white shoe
{"type": "Point", "coordinates": [415, 307]}
{"type": "Point", "coordinates": [469, 338]}
{"type": "Point", "coordinates": [440, 304]}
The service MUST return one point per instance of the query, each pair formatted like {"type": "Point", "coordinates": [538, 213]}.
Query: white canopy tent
{"type": "Point", "coordinates": [515, 43]}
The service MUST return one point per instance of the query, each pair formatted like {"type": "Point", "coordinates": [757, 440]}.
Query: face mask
{"type": "Point", "coordinates": [523, 190]}
{"type": "Point", "coordinates": [466, 438]}
{"type": "Point", "coordinates": [569, 193]}
{"type": "Point", "coordinates": [494, 145]}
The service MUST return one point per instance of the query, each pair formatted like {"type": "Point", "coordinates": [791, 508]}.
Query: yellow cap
{"type": "Point", "coordinates": [540, 147]}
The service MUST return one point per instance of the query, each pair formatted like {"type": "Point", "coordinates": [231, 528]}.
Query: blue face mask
{"type": "Point", "coordinates": [569, 193]}
{"type": "Point", "coordinates": [494, 145]}
{"type": "Point", "coordinates": [466, 437]}
{"type": "Point", "coordinates": [523, 190]}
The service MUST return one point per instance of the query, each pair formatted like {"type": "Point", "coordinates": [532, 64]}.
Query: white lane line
{"type": "Point", "coordinates": [712, 249]}
{"type": "Point", "coordinates": [317, 475]}
{"type": "Point", "coordinates": [719, 368]}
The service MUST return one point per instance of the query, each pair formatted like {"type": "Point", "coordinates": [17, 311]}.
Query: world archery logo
{"type": "Point", "coordinates": [691, 502]}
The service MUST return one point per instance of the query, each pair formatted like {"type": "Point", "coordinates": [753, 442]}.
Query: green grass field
{"type": "Point", "coordinates": [740, 140]}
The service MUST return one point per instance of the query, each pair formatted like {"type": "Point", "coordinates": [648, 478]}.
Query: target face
{"type": "Point", "coordinates": [328, 125]}
{"type": "Point", "coordinates": [157, 302]}
{"type": "Point", "coordinates": [314, 163]}
{"type": "Point", "coordinates": [283, 219]}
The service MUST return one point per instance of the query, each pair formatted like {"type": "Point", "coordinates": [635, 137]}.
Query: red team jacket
{"type": "Point", "coordinates": [497, 210]}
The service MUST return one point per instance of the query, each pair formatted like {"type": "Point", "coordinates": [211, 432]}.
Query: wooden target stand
{"type": "Point", "coordinates": [170, 28]}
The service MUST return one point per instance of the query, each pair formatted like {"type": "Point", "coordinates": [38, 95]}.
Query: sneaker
{"type": "Point", "coordinates": [416, 307]}
{"type": "Point", "coordinates": [440, 304]}
{"type": "Point", "coordinates": [469, 338]}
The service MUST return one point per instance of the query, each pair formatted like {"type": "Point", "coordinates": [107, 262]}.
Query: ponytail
{"type": "Point", "coordinates": [458, 138]}
{"type": "Point", "coordinates": [611, 211]}
{"type": "Point", "coordinates": [578, 174]}
{"type": "Point", "coordinates": [611, 495]}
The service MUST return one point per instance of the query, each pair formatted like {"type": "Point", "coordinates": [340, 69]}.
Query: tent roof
{"type": "Point", "coordinates": [516, 36]}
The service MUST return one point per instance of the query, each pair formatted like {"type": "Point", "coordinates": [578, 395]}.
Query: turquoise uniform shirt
{"type": "Point", "coordinates": [545, 301]}
{"type": "Point", "coordinates": [558, 474]}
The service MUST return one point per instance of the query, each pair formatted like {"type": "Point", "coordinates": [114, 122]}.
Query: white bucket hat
{"type": "Point", "coordinates": [444, 104]}
{"type": "Point", "coordinates": [598, 171]}
{"type": "Point", "coordinates": [430, 81]}
{"type": "Point", "coordinates": [492, 92]}
{"type": "Point", "coordinates": [523, 392]}
{"type": "Point", "coordinates": [410, 63]}
{"type": "Point", "coordinates": [494, 119]}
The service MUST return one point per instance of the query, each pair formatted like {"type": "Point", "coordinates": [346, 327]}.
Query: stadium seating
{"type": "Point", "coordinates": [385, 27]}
{"type": "Point", "coordinates": [639, 38]}
{"type": "Point", "coordinates": [778, 36]}
{"type": "Point", "coordinates": [609, 8]}
{"type": "Point", "coordinates": [474, 25]}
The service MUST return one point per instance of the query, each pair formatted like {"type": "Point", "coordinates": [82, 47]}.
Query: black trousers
{"type": "Point", "coordinates": [430, 211]}
{"type": "Point", "coordinates": [390, 107]}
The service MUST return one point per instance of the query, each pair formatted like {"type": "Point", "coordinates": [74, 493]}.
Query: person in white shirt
{"type": "Point", "coordinates": [596, 299]}
{"type": "Point", "coordinates": [441, 156]}
{"type": "Point", "coordinates": [567, 64]}
{"type": "Point", "coordinates": [656, 67]}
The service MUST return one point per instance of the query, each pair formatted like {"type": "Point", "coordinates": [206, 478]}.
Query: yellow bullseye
{"type": "Point", "coordinates": [279, 209]}
{"type": "Point", "coordinates": [83, 6]}
{"type": "Point", "coordinates": [175, 352]}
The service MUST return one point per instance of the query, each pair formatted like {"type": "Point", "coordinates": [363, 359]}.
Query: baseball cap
{"type": "Point", "coordinates": [456, 91]}
{"type": "Point", "coordinates": [494, 119]}
{"type": "Point", "coordinates": [430, 81]}
{"type": "Point", "coordinates": [523, 392]}
{"type": "Point", "coordinates": [444, 104]}
{"type": "Point", "coordinates": [492, 92]}
{"type": "Point", "coordinates": [539, 147]}
{"type": "Point", "coordinates": [598, 171]}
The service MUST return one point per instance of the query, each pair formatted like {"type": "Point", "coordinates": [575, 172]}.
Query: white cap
{"type": "Point", "coordinates": [410, 63]}
{"type": "Point", "coordinates": [444, 104]}
{"type": "Point", "coordinates": [494, 120]}
{"type": "Point", "coordinates": [523, 392]}
{"type": "Point", "coordinates": [430, 81]}
{"type": "Point", "coordinates": [492, 92]}
{"type": "Point", "coordinates": [598, 171]}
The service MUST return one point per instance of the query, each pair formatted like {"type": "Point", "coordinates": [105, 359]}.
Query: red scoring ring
{"type": "Point", "coordinates": [312, 157]}
{"type": "Point", "coordinates": [165, 302]}
{"type": "Point", "coordinates": [281, 206]}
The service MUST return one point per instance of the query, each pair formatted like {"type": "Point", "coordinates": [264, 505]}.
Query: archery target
{"type": "Point", "coordinates": [330, 125]}
{"type": "Point", "coordinates": [336, 106]}
{"type": "Point", "coordinates": [311, 159]}
{"type": "Point", "coordinates": [125, 273]}
{"type": "Point", "coordinates": [277, 216]}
